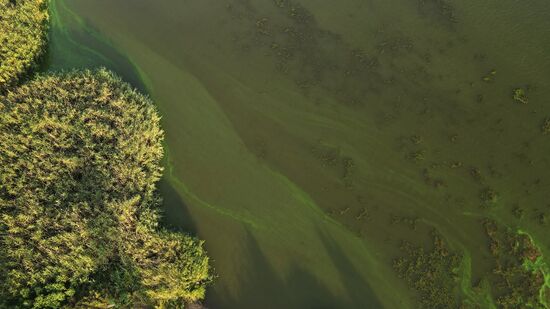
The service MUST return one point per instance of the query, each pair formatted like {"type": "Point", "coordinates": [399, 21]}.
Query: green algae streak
{"type": "Point", "coordinates": [308, 140]}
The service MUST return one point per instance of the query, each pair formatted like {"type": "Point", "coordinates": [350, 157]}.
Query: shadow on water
{"type": "Point", "coordinates": [261, 286]}
{"type": "Point", "coordinates": [358, 289]}
{"type": "Point", "coordinates": [175, 213]}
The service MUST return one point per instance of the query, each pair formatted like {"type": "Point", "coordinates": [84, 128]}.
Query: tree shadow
{"type": "Point", "coordinates": [261, 286]}
{"type": "Point", "coordinates": [359, 290]}
{"type": "Point", "coordinates": [175, 213]}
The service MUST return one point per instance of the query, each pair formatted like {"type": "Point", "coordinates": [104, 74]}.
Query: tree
{"type": "Point", "coordinates": [79, 159]}
{"type": "Point", "coordinates": [23, 32]}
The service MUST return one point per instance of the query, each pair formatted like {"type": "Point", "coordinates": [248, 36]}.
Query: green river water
{"type": "Point", "coordinates": [306, 140]}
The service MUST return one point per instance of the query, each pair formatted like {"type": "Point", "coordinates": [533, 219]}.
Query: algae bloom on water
{"type": "Point", "coordinates": [23, 28]}
{"type": "Point", "coordinates": [79, 161]}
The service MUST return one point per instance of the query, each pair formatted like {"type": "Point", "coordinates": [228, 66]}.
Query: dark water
{"type": "Point", "coordinates": [307, 139]}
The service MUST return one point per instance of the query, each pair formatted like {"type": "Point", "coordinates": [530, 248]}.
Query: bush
{"type": "Point", "coordinates": [79, 159]}
{"type": "Point", "coordinates": [23, 29]}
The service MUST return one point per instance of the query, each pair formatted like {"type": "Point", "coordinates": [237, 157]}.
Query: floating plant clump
{"type": "Point", "coordinates": [520, 277]}
{"type": "Point", "coordinates": [433, 273]}
{"type": "Point", "coordinates": [520, 96]}
{"type": "Point", "coordinates": [545, 127]}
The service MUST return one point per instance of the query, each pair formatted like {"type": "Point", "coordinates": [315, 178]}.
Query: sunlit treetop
{"type": "Point", "coordinates": [23, 29]}
{"type": "Point", "coordinates": [80, 158]}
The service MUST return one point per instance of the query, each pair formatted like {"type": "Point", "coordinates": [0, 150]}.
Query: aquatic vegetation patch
{"type": "Point", "coordinates": [416, 139]}
{"type": "Point", "coordinates": [23, 32]}
{"type": "Point", "coordinates": [520, 95]}
{"type": "Point", "coordinates": [79, 159]}
{"type": "Point", "coordinates": [520, 275]}
{"type": "Point", "coordinates": [417, 156]}
{"type": "Point", "coordinates": [489, 196]}
{"type": "Point", "coordinates": [545, 127]}
{"type": "Point", "coordinates": [432, 273]}
{"type": "Point", "coordinates": [332, 156]}
{"type": "Point", "coordinates": [490, 77]}
{"type": "Point", "coordinates": [311, 56]}
{"type": "Point", "coordinates": [441, 10]}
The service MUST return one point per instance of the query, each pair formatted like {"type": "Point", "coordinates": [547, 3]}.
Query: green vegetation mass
{"type": "Point", "coordinates": [432, 273]}
{"type": "Point", "coordinates": [23, 28]}
{"type": "Point", "coordinates": [518, 277]}
{"type": "Point", "coordinates": [520, 273]}
{"type": "Point", "coordinates": [79, 159]}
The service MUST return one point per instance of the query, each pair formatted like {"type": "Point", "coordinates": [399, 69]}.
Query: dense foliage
{"type": "Point", "coordinates": [520, 275]}
{"type": "Point", "coordinates": [432, 273]}
{"type": "Point", "coordinates": [79, 160]}
{"type": "Point", "coordinates": [23, 25]}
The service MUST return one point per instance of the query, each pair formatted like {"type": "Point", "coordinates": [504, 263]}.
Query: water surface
{"type": "Point", "coordinates": [306, 140]}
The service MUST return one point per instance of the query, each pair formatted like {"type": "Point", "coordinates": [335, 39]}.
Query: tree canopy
{"type": "Point", "coordinates": [23, 29]}
{"type": "Point", "coordinates": [79, 160]}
